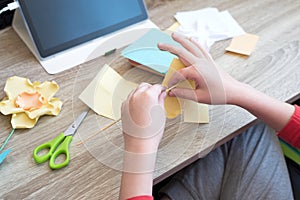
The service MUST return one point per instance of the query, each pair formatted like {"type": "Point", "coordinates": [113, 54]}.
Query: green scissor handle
{"type": "Point", "coordinates": [57, 146]}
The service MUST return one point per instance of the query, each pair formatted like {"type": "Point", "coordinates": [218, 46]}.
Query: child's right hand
{"type": "Point", "coordinates": [213, 85]}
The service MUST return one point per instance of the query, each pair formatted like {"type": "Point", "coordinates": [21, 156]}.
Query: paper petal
{"type": "Point", "coordinates": [53, 108]}
{"type": "Point", "coordinates": [173, 104]}
{"type": "Point", "coordinates": [16, 85]}
{"type": "Point", "coordinates": [8, 107]}
{"type": "Point", "coordinates": [21, 120]}
{"type": "Point", "coordinates": [47, 89]}
{"type": "Point", "coordinates": [172, 107]}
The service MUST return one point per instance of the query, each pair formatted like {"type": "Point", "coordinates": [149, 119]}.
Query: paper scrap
{"type": "Point", "coordinates": [173, 104]}
{"type": "Point", "coordinates": [145, 51]}
{"type": "Point", "coordinates": [193, 112]}
{"type": "Point", "coordinates": [106, 92]}
{"type": "Point", "coordinates": [172, 28]}
{"type": "Point", "coordinates": [208, 26]}
{"type": "Point", "coordinates": [3, 155]}
{"type": "Point", "coordinates": [243, 44]}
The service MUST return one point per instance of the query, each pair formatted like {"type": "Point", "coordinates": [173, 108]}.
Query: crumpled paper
{"type": "Point", "coordinates": [208, 26]}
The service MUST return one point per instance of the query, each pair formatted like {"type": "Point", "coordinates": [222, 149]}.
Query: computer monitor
{"type": "Point", "coordinates": [57, 26]}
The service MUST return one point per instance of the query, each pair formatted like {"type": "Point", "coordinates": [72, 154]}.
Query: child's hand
{"type": "Point", "coordinates": [143, 118]}
{"type": "Point", "coordinates": [213, 85]}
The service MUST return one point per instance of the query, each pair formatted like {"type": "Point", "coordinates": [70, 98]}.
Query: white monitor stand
{"type": "Point", "coordinates": [85, 52]}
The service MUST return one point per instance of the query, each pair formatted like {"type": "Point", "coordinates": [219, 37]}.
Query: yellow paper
{"type": "Point", "coordinates": [195, 112]}
{"type": "Point", "coordinates": [22, 116]}
{"type": "Point", "coordinates": [173, 104]}
{"type": "Point", "coordinates": [172, 28]}
{"type": "Point", "coordinates": [243, 44]}
{"type": "Point", "coordinates": [106, 92]}
{"type": "Point", "coordinates": [21, 120]}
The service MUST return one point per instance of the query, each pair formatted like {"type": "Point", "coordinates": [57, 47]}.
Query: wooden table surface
{"type": "Point", "coordinates": [93, 172]}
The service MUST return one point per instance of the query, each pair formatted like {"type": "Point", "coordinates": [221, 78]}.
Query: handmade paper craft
{"type": "Point", "coordinates": [106, 92]}
{"type": "Point", "coordinates": [193, 111]}
{"type": "Point", "coordinates": [243, 44]}
{"type": "Point", "coordinates": [145, 51]}
{"type": "Point", "coordinates": [27, 101]}
{"type": "Point", "coordinates": [173, 104]}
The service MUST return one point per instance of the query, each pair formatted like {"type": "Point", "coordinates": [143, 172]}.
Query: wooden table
{"type": "Point", "coordinates": [273, 68]}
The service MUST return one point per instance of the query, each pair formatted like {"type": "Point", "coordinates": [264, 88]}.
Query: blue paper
{"type": "Point", "coordinates": [146, 52]}
{"type": "Point", "coordinates": [3, 155]}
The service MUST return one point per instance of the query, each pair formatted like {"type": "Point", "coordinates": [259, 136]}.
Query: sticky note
{"type": "Point", "coordinates": [173, 27]}
{"type": "Point", "coordinates": [243, 44]}
{"type": "Point", "coordinates": [172, 104]}
{"type": "Point", "coordinates": [193, 112]}
{"type": "Point", "coordinates": [106, 92]}
{"type": "Point", "coordinates": [145, 51]}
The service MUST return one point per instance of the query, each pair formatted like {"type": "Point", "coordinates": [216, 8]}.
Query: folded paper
{"type": "Point", "coordinates": [208, 25]}
{"type": "Point", "coordinates": [145, 51]}
{"type": "Point", "coordinates": [193, 112]}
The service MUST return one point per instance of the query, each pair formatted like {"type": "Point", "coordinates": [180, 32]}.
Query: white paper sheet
{"type": "Point", "coordinates": [208, 26]}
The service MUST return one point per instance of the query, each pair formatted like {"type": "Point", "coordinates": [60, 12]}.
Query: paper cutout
{"type": "Point", "coordinates": [145, 51]}
{"type": "Point", "coordinates": [208, 26]}
{"type": "Point", "coordinates": [29, 101]}
{"type": "Point", "coordinates": [193, 111]}
{"type": "Point", "coordinates": [4, 154]}
{"type": "Point", "coordinates": [243, 44]}
{"type": "Point", "coordinates": [173, 104]}
{"type": "Point", "coordinates": [106, 92]}
{"type": "Point", "coordinates": [15, 102]}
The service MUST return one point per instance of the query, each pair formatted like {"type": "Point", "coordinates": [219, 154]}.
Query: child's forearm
{"type": "Point", "coordinates": [273, 112]}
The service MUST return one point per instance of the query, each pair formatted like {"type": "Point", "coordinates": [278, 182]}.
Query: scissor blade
{"type": "Point", "coordinates": [74, 126]}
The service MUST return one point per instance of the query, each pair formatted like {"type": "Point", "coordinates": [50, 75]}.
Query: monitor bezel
{"type": "Point", "coordinates": [44, 53]}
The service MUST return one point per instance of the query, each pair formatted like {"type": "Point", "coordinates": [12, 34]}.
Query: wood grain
{"type": "Point", "coordinates": [273, 68]}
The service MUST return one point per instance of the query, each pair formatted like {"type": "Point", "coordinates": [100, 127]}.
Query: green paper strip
{"type": "Point", "coordinates": [6, 140]}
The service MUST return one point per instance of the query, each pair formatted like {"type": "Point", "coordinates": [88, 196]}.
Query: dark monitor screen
{"type": "Point", "coordinates": [57, 25]}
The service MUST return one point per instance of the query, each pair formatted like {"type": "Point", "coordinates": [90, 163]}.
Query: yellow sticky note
{"type": "Point", "coordinates": [106, 92]}
{"type": "Point", "coordinates": [172, 28]}
{"type": "Point", "coordinates": [173, 104]}
{"type": "Point", "coordinates": [195, 112]}
{"type": "Point", "coordinates": [243, 44]}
